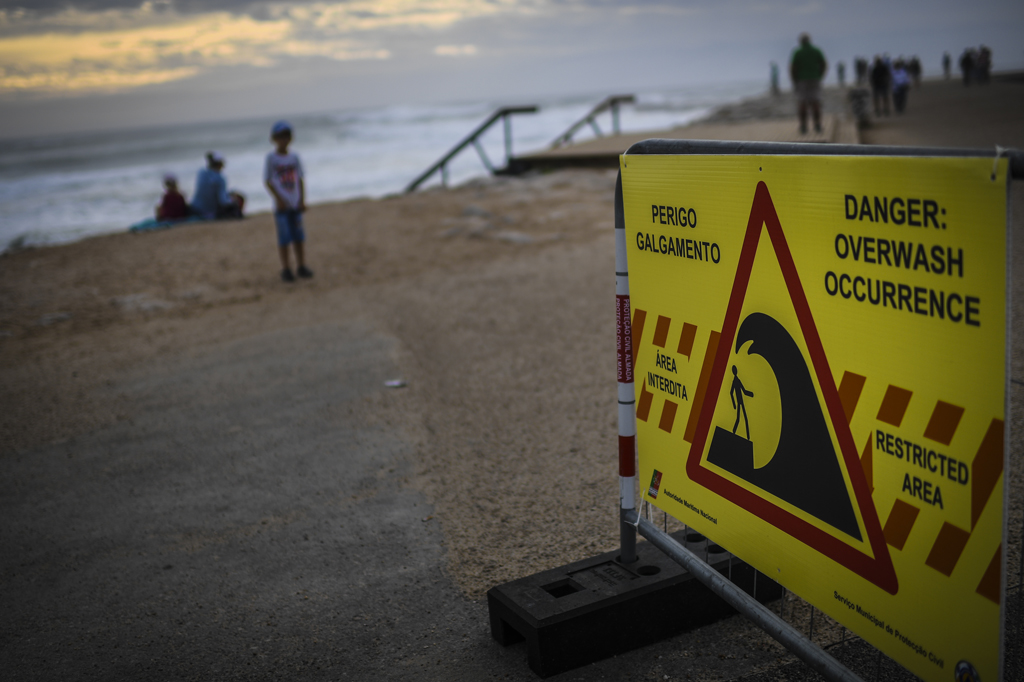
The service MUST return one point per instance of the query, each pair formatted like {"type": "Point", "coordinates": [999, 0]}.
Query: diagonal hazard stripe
{"type": "Point", "coordinates": [867, 463]}
{"type": "Point", "coordinates": [989, 585]}
{"type": "Point", "coordinates": [639, 317]}
{"type": "Point", "coordinates": [668, 416]}
{"type": "Point", "coordinates": [702, 386]}
{"type": "Point", "coordinates": [661, 331]}
{"type": "Point", "coordinates": [894, 405]}
{"type": "Point", "coordinates": [686, 339]}
{"type": "Point", "coordinates": [849, 393]}
{"type": "Point", "coordinates": [942, 425]}
{"type": "Point", "coordinates": [900, 523]}
{"type": "Point", "coordinates": [947, 548]}
{"type": "Point", "coordinates": [986, 468]}
{"type": "Point", "coordinates": [643, 406]}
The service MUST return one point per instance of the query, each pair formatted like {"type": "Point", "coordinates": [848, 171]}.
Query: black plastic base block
{"type": "Point", "coordinates": [597, 608]}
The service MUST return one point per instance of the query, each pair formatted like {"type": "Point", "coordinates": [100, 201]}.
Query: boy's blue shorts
{"type": "Point", "coordinates": [289, 227]}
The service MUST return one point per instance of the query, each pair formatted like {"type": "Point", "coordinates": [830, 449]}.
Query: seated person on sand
{"type": "Point", "coordinates": [173, 206]}
{"type": "Point", "coordinates": [211, 200]}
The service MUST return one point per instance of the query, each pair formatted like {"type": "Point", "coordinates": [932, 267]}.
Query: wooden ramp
{"type": "Point", "coordinates": [603, 152]}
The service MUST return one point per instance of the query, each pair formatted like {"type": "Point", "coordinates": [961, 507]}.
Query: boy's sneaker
{"type": "Point", "coordinates": [304, 271]}
{"type": "Point", "coordinates": [287, 275]}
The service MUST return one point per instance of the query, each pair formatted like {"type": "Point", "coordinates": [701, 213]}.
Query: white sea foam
{"type": "Point", "coordinates": [63, 188]}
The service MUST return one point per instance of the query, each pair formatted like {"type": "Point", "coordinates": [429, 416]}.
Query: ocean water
{"type": "Point", "coordinates": [63, 188]}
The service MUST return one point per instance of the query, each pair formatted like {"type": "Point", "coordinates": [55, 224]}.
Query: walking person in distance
{"type": "Point", "coordinates": [807, 67]}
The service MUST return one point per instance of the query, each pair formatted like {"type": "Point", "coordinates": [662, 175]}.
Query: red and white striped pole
{"type": "Point", "coordinates": [627, 397]}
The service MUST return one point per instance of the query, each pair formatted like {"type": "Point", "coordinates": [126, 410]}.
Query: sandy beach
{"type": "Point", "coordinates": [202, 473]}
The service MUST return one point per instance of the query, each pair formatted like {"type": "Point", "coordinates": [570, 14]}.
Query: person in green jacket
{"type": "Point", "coordinates": [807, 67]}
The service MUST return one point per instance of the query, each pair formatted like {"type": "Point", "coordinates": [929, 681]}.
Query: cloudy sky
{"type": "Point", "coordinates": [69, 65]}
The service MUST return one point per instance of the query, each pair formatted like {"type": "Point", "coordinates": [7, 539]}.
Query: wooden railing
{"type": "Point", "coordinates": [612, 103]}
{"type": "Point", "coordinates": [474, 139]}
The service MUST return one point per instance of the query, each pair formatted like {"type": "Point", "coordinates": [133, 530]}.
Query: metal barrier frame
{"type": "Point", "coordinates": [631, 521]}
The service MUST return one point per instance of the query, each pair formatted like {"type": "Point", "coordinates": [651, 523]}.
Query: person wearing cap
{"type": "Point", "coordinates": [283, 176]}
{"type": "Point", "coordinates": [211, 199]}
{"type": "Point", "coordinates": [807, 67]}
{"type": "Point", "coordinates": [173, 206]}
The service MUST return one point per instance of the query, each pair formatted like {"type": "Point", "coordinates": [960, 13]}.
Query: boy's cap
{"type": "Point", "coordinates": [170, 177]}
{"type": "Point", "coordinates": [216, 157]}
{"type": "Point", "coordinates": [281, 127]}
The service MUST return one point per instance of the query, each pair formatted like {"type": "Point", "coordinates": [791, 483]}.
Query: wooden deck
{"type": "Point", "coordinates": [604, 151]}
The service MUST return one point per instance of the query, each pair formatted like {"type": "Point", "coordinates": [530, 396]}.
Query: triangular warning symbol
{"type": "Point", "coordinates": [820, 465]}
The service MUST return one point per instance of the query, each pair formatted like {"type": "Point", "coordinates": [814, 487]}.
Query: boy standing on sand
{"type": "Point", "coordinates": [283, 177]}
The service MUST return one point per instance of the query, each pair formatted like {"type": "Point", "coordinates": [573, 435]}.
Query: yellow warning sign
{"type": "Point", "coordinates": [820, 354]}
